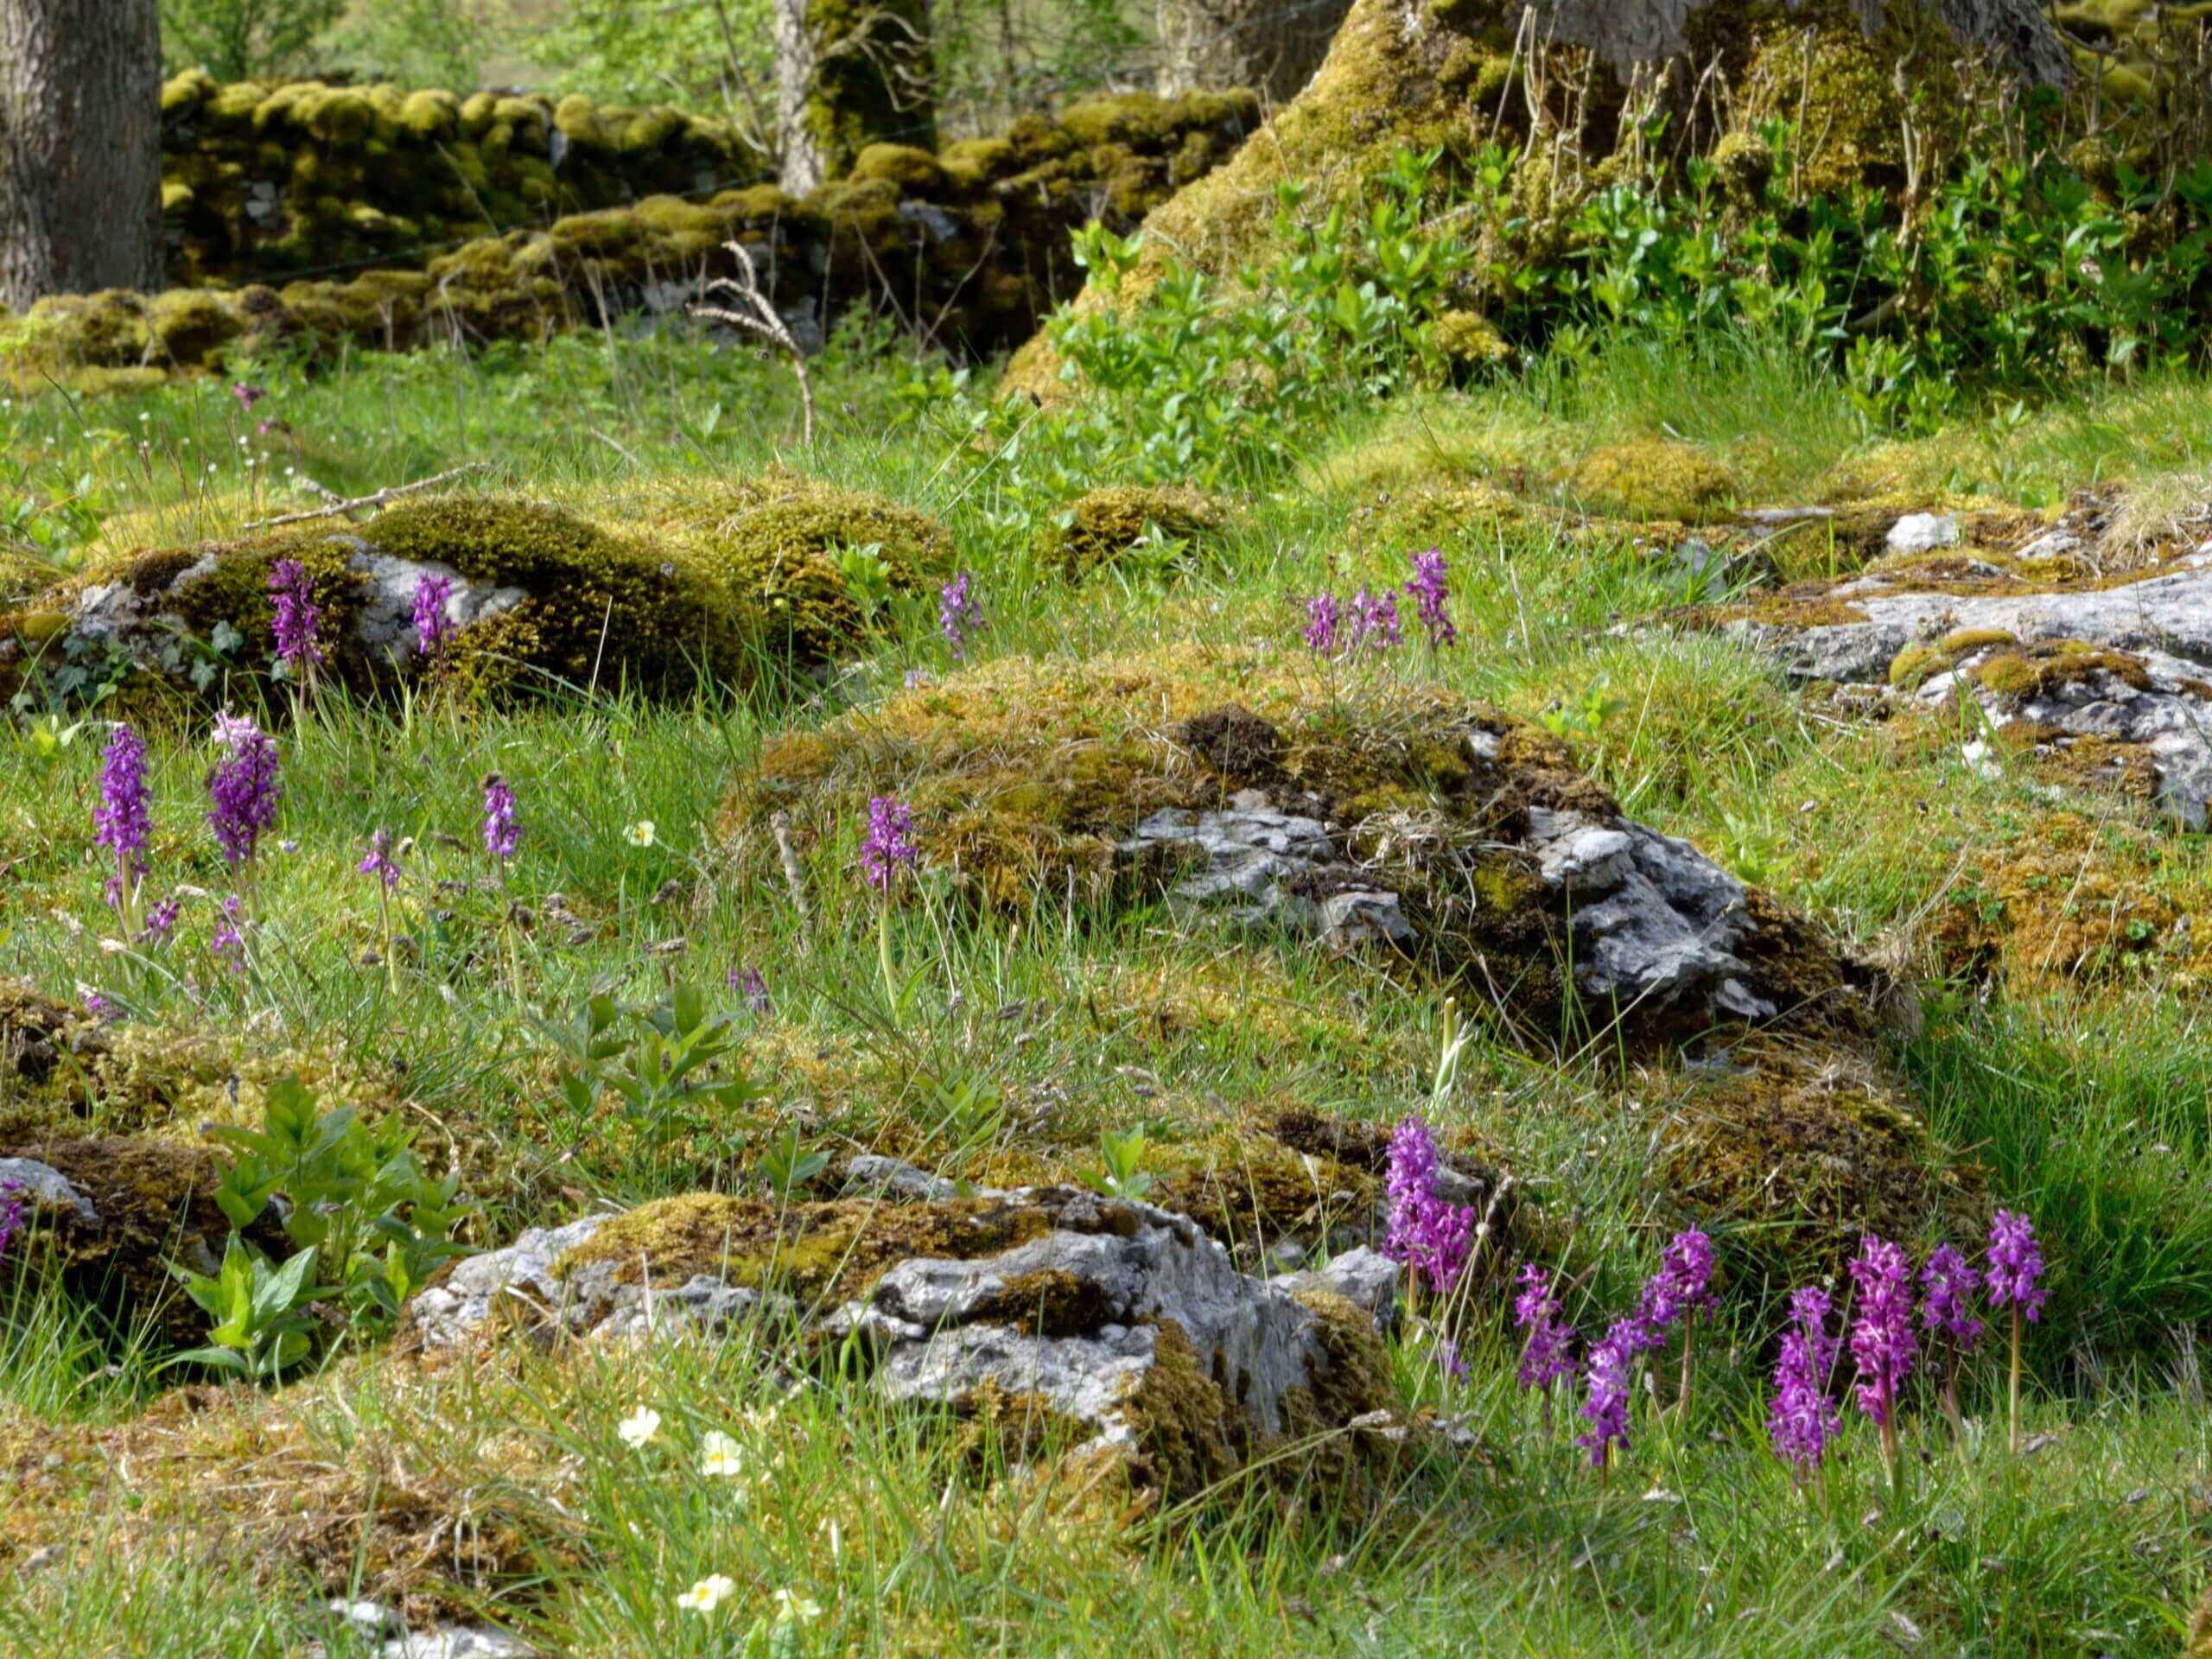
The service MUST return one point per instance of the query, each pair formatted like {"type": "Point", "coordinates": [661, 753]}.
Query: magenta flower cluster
{"type": "Point", "coordinates": [1676, 1295]}
{"type": "Point", "coordinates": [1882, 1345]}
{"type": "Point", "coordinates": [12, 1204]}
{"type": "Point", "coordinates": [1431, 1235]}
{"type": "Point", "coordinates": [1324, 622]}
{"type": "Point", "coordinates": [888, 846]}
{"type": "Point", "coordinates": [750, 983]}
{"type": "Point", "coordinates": [1946, 1286]}
{"type": "Point", "coordinates": [502, 828]}
{"type": "Point", "coordinates": [960, 614]}
{"type": "Point", "coordinates": [296, 621]}
{"type": "Point", "coordinates": [123, 818]}
{"type": "Point", "coordinates": [243, 787]}
{"type": "Point", "coordinates": [380, 861]}
{"type": "Point", "coordinates": [1803, 1418]}
{"type": "Point", "coordinates": [1432, 597]}
{"type": "Point", "coordinates": [1547, 1338]}
{"type": "Point", "coordinates": [2015, 1275]}
{"type": "Point", "coordinates": [433, 622]}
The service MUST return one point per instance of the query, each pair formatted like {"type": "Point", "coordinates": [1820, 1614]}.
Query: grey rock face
{"type": "Point", "coordinates": [49, 1189]}
{"type": "Point", "coordinates": [2169, 613]}
{"type": "Point", "coordinates": [517, 1279]}
{"type": "Point", "coordinates": [2170, 720]}
{"type": "Point", "coordinates": [1653, 920]}
{"type": "Point", "coordinates": [1073, 1315]}
{"type": "Point", "coordinates": [1367, 1279]}
{"type": "Point", "coordinates": [1253, 852]}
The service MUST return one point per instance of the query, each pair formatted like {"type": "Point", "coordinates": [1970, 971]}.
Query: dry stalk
{"type": "Point", "coordinates": [360, 503]}
{"type": "Point", "coordinates": [756, 316]}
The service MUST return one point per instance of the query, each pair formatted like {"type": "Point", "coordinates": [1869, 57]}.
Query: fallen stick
{"type": "Point", "coordinates": [391, 493]}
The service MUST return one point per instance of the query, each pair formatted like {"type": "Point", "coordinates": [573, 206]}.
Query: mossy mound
{"type": "Point", "coordinates": [972, 248]}
{"type": "Point", "coordinates": [544, 595]}
{"type": "Point", "coordinates": [2080, 905]}
{"type": "Point", "coordinates": [1797, 1153]}
{"type": "Point", "coordinates": [1099, 526]}
{"type": "Point", "coordinates": [782, 542]}
{"type": "Point", "coordinates": [40, 1036]}
{"type": "Point", "coordinates": [1027, 776]}
{"type": "Point", "coordinates": [155, 1203]}
{"type": "Point", "coordinates": [1654, 479]}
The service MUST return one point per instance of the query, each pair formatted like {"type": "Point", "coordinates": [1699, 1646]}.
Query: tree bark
{"type": "Point", "coordinates": [1271, 45]}
{"type": "Point", "coordinates": [850, 73]}
{"type": "Point", "coordinates": [80, 147]}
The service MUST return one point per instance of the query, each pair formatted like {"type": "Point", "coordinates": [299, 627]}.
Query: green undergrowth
{"type": "Point", "coordinates": [2052, 1049]}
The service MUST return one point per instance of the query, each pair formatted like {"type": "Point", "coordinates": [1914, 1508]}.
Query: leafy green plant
{"type": "Point", "coordinates": [669, 1070]}
{"type": "Point", "coordinates": [350, 1191]}
{"type": "Point", "coordinates": [787, 1163]}
{"type": "Point", "coordinates": [1123, 1174]}
{"type": "Point", "coordinates": [261, 1326]}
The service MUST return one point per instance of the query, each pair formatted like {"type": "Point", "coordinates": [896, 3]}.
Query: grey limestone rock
{"type": "Point", "coordinates": [48, 1187]}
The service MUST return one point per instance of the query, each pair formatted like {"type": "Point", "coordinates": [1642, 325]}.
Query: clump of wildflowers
{"type": "Point", "coordinates": [1606, 1375]}
{"type": "Point", "coordinates": [160, 919]}
{"type": "Point", "coordinates": [2015, 1281]}
{"type": "Point", "coordinates": [502, 829]}
{"type": "Point", "coordinates": [888, 846]}
{"type": "Point", "coordinates": [433, 621]}
{"type": "Point", "coordinates": [228, 941]}
{"type": "Point", "coordinates": [1373, 620]}
{"type": "Point", "coordinates": [1947, 1287]}
{"type": "Point", "coordinates": [1677, 1294]}
{"type": "Point", "coordinates": [1546, 1337]}
{"type": "Point", "coordinates": [243, 787]}
{"type": "Point", "coordinates": [14, 1202]}
{"type": "Point", "coordinates": [1432, 597]}
{"type": "Point", "coordinates": [1325, 621]}
{"type": "Point", "coordinates": [1430, 1235]}
{"type": "Point", "coordinates": [1881, 1343]}
{"type": "Point", "coordinates": [750, 983]}
{"type": "Point", "coordinates": [380, 862]}
{"type": "Point", "coordinates": [123, 818]}
{"type": "Point", "coordinates": [1803, 1419]}
{"type": "Point", "coordinates": [296, 620]}
{"type": "Point", "coordinates": [960, 614]}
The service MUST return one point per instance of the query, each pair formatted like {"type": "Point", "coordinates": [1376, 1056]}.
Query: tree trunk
{"type": "Point", "coordinates": [80, 147]}
{"type": "Point", "coordinates": [1271, 45]}
{"type": "Point", "coordinates": [850, 73]}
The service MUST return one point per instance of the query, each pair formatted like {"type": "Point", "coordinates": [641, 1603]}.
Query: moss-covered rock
{"type": "Point", "coordinates": [1098, 527]}
{"type": "Point", "coordinates": [799, 552]}
{"type": "Point", "coordinates": [1655, 479]}
{"type": "Point", "coordinates": [541, 595]}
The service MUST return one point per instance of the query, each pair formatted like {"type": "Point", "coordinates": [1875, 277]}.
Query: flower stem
{"type": "Point", "coordinates": [2014, 1439]}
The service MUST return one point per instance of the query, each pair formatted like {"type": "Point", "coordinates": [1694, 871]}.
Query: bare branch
{"type": "Point", "coordinates": [757, 316]}
{"type": "Point", "coordinates": [361, 502]}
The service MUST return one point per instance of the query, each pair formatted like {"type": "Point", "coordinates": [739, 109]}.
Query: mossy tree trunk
{"type": "Point", "coordinates": [80, 147]}
{"type": "Point", "coordinates": [1271, 45]}
{"type": "Point", "coordinates": [850, 74]}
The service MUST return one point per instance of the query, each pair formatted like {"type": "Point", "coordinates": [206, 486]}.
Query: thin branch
{"type": "Point", "coordinates": [759, 317]}
{"type": "Point", "coordinates": [361, 502]}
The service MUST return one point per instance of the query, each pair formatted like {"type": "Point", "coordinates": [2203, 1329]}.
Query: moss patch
{"type": "Point", "coordinates": [1654, 479]}
{"type": "Point", "coordinates": [1098, 527]}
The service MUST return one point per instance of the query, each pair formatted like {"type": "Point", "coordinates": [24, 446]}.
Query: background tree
{"type": "Point", "coordinates": [80, 147]}
{"type": "Point", "coordinates": [850, 73]}
{"type": "Point", "coordinates": [1271, 45]}
{"type": "Point", "coordinates": [241, 40]}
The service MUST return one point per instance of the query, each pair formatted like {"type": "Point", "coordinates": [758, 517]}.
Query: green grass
{"type": "Point", "coordinates": [2086, 1105]}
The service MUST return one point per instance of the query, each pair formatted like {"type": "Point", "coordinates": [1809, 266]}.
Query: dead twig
{"type": "Point", "coordinates": [758, 316]}
{"type": "Point", "coordinates": [361, 502]}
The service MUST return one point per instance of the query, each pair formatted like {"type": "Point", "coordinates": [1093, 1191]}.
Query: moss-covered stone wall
{"type": "Point", "coordinates": [967, 245]}
{"type": "Point", "coordinates": [261, 181]}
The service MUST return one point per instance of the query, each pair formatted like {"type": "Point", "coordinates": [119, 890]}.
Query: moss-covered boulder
{"type": "Point", "coordinates": [1366, 811]}
{"type": "Point", "coordinates": [539, 595]}
{"type": "Point", "coordinates": [1124, 1325]}
{"type": "Point", "coordinates": [1098, 527]}
{"type": "Point", "coordinates": [810, 559]}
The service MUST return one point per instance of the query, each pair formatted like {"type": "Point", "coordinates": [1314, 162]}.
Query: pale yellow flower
{"type": "Point", "coordinates": [796, 1608]}
{"type": "Point", "coordinates": [708, 1594]}
{"type": "Point", "coordinates": [639, 834]}
{"type": "Point", "coordinates": [722, 1455]}
{"type": "Point", "coordinates": [639, 1426]}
